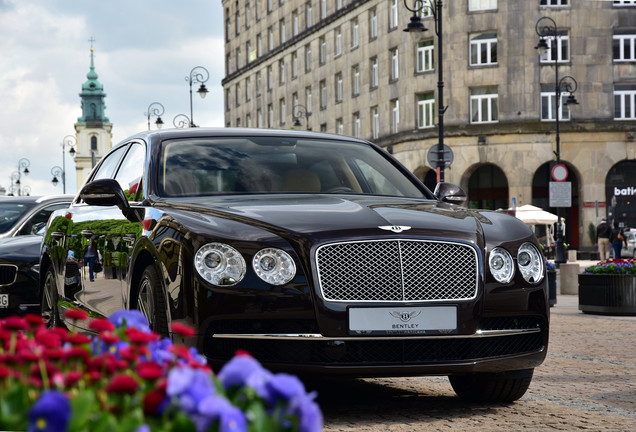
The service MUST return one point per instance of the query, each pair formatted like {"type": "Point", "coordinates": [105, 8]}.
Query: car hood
{"type": "Point", "coordinates": [341, 216]}
{"type": "Point", "coordinates": [21, 247]}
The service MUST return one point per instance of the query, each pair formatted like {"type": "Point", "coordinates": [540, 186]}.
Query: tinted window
{"type": "Point", "coordinates": [131, 171]}
{"type": "Point", "coordinates": [11, 212]}
{"type": "Point", "coordinates": [109, 164]}
{"type": "Point", "coordinates": [41, 216]}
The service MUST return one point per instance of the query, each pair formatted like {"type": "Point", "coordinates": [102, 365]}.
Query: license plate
{"type": "Point", "coordinates": [4, 301]}
{"type": "Point", "coordinates": [429, 319]}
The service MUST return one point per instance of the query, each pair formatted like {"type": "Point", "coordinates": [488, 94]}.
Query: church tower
{"type": "Point", "coordinates": [93, 129]}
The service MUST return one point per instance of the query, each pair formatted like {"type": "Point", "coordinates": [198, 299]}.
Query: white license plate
{"type": "Point", "coordinates": [428, 319]}
{"type": "Point", "coordinates": [4, 301]}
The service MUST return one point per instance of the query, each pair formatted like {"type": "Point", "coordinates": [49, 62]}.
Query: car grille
{"type": "Point", "coordinates": [8, 274]}
{"type": "Point", "coordinates": [397, 270]}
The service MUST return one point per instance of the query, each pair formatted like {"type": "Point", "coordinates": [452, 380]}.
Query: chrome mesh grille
{"type": "Point", "coordinates": [397, 270]}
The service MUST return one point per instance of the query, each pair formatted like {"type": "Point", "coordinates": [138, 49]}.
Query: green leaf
{"type": "Point", "coordinates": [82, 406]}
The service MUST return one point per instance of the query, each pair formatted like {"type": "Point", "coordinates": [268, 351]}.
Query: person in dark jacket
{"type": "Point", "coordinates": [603, 231]}
{"type": "Point", "coordinates": [617, 238]}
{"type": "Point", "coordinates": [90, 256]}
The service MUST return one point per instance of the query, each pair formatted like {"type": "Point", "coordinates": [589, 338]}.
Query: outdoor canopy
{"type": "Point", "coordinates": [532, 215]}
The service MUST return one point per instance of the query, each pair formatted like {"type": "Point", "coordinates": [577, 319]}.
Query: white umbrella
{"type": "Point", "coordinates": [532, 215]}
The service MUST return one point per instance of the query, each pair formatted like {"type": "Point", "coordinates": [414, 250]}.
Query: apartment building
{"type": "Point", "coordinates": [347, 67]}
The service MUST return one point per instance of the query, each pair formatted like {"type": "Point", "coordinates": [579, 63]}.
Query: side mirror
{"type": "Point", "coordinates": [450, 193]}
{"type": "Point", "coordinates": [35, 229]}
{"type": "Point", "coordinates": [106, 193]}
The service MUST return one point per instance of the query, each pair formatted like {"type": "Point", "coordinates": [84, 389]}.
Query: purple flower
{"type": "Point", "coordinates": [283, 387]}
{"type": "Point", "coordinates": [190, 386]}
{"type": "Point", "coordinates": [51, 412]}
{"type": "Point", "coordinates": [243, 370]}
{"type": "Point", "coordinates": [231, 419]}
{"type": "Point", "coordinates": [130, 318]}
{"type": "Point", "coordinates": [309, 413]}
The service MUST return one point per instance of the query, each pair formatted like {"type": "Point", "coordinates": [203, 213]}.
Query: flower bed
{"type": "Point", "coordinates": [128, 379]}
{"type": "Point", "coordinates": [609, 287]}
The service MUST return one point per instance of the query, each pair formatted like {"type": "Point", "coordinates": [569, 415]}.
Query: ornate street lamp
{"type": "Point", "coordinates": [155, 109]}
{"type": "Point", "coordinates": [416, 27]}
{"type": "Point", "coordinates": [546, 28]}
{"type": "Point", "coordinates": [58, 172]}
{"type": "Point", "coordinates": [198, 74]}
{"type": "Point", "coordinates": [70, 142]}
{"type": "Point", "coordinates": [298, 112]}
{"type": "Point", "coordinates": [23, 168]}
{"type": "Point", "coordinates": [181, 121]}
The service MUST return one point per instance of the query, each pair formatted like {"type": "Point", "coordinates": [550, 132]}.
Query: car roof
{"type": "Point", "coordinates": [37, 199]}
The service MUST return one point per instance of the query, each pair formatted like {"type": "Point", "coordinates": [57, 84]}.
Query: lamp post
{"type": "Point", "coordinates": [56, 172]}
{"type": "Point", "coordinates": [70, 142]}
{"type": "Point", "coordinates": [23, 168]}
{"type": "Point", "coordinates": [181, 121]}
{"type": "Point", "coordinates": [547, 28]}
{"type": "Point", "coordinates": [155, 109]}
{"type": "Point", "coordinates": [414, 27]}
{"type": "Point", "coordinates": [198, 74]}
{"type": "Point", "coordinates": [298, 112]}
{"type": "Point", "coordinates": [15, 183]}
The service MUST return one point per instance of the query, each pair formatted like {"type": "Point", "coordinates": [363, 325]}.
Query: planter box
{"type": "Point", "coordinates": [607, 294]}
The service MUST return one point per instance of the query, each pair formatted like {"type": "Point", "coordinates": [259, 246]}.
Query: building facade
{"type": "Point", "coordinates": [347, 67]}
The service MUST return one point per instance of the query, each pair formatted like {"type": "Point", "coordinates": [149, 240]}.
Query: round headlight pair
{"type": "Point", "coordinates": [529, 261]}
{"type": "Point", "coordinates": [222, 265]}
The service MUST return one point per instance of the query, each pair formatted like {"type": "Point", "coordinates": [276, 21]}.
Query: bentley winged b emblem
{"type": "Point", "coordinates": [405, 316]}
{"type": "Point", "coordinates": [395, 228]}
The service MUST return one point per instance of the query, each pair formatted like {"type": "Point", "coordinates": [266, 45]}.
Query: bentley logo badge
{"type": "Point", "coordinates": [405, 316]}
{"type": "Point", "coordinates": [395, 228]}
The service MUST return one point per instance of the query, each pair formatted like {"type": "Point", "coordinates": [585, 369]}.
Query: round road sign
{"type": "Point", "coordinates": [559, 172]}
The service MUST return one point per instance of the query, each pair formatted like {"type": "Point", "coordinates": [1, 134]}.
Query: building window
{"type": "Point", "coordinates": [338, 42]}
{"type": "Point", "coordinates": [323, 9]}
{"type": "Point", "coordinates": [355, 33]}
{"type": "Point", "coordinates": [393, 15]}
{"type": "Point", "coordinates": [248, 50]}
{"type": "Point", "coordinates": [625, 102]}
{"type": "Point", "coordinates": [258, 10]}
{"type": "Point", "coordinates": [375, 122]}
{"type": "Point", "coordinates": [484, 105]}
{"type": "Point", "coordinates": [339, 87]}
{"type": "Point", "coordinates": [307, 58]}
{"type": "Point", "coordinates": [339, 127]}
{"type": "Point", "coordinates": [425, 110]}
{"type": "Point", "coordinates": [238, 95]}
{"type": "Point", "coordinates": [228, 99]}
{"type": "Point", "coordinates": [283, 111]}
{"type": "Point", "coordinates": [259, 118]}
{"type": "Point", "coordinates": [323, 94]}
{"type": "Point", "coordinates": [558, 49]}
{"type": "Point", "coordinates": [270, 78]}
{"type": "Point", "coordinates": [237, 25]}
{"type": "Point", "coordinates": [356, 125]}
{"type": "Point", "coordinates": [323, 127]}
{"type": "Point", "coordinates": [374, 73]}
{"type": "Point", "coordinates": [548, 104]}
{"type": "Point", "coordinates": [355, 76]}
{"type": "Point", "coordinates": [281, 72]}
{"type": "Point", "coordinates": [339, 4]}
{"type": "Point", "coordinates": [238, 58]}
{"type": "Point", "coordinates": [624, 47]}
{"type": "Point", "coordinates": [395, 116]}
{"type": "Point", "coordinates": [294, 101]}
{"type": "Point", "coordinates": [308, 99]}
{"type": "Point", "coordinates": [395, 65]}
{"type": "Point", "coordinates": [294, 63]}
{"type": "Point", "coordinates": [426, 9]}
{"type": "Point", "coordinates": [228, 27]}
{"type": "Point", "coordinates": [270, 38]}
{"type": "Point", "coordinates": [323, 50]}
{"type": "Point", "coordinates": [259, 83]}
{"type": "Point", "coordinates": [248, 16]}
{"type": "Point", "coordinates": [554, 3]}
{"type": "Point", "coordinates": [308, 18]}
{"type": "Point", "coordinates": [476, 5]}
{"type": "Point", "coordinates": [238, 122]}
{"type": "Point", "coordinates": [228, 64]}
{"type": "Point", "coordinates": [295, 23]}
{"type": "Point", "coordinates": [248, 120]}
{"type": "Point", "coordinates": [269, 6]}
{"type": "Point", "coordinates": [270, 116]}
{"type": "Point", "coordinates": [93, 143]}
{"type": "Point", "coordinates": [259, 45]}
{"type": "Point", "coordinates": [281, 27]}
{"type": "Point", "coordinates": [373, 24]}
{"type": "Point", "coordinates": [425, 59]}
{"type": "Point", "coordinates": [248, 89]}
{"type": "Point", "coordinates": [483, 49]}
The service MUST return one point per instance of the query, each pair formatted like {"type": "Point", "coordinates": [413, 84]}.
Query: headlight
{"type": "Point", "coordinates": [530, 263]}
{"type": "Point", "coordinates": [501, 265]}
{"type": "Point", "coordinates": [220, 264]}
{"type": "Point", "coordinates": [274, 266]}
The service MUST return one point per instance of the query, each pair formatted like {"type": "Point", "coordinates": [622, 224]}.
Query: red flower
{"type": "Point", "coordinates": [181, 351]}
{"type": "Point", "coordinates": [241, 352]}
{"type": "Point", "coordinates": [137, 336]}
{"type": "Point", "coordinates": [76, 314]}
{"type": "Point", "coordinates": [122, 384]}
{"type": "Point", "coordinates": [101, 325]}
{"type": "Point", "coordinates": [26, 355]}
{"type": "Point", "coordinates": [72, 378]}
{"type": "Point", "coordinates": [4, 371]}
{"type": "Point", "coordinates": [109, 338]}
{"type": "Point", "coordinates": [79, 339]}
{"type": "Point", "coordinates": [182, 329]}
{"type": "Point", "coordinates": [149, 370]}
{"type": "Point", "coordinates": [77, 353]}
{"type": "Point", "coordinates": [34, 320]}
{"type": "Point", "coordinates": [48, 339]}
{"type": "Point", "coordinates": [14, 323]}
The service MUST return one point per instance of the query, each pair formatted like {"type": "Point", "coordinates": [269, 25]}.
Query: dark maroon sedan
{"type": "Point", "coordinates": [318, 254]}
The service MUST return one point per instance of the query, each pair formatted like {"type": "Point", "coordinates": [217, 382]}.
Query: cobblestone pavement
{"type": "Point", "coordinates": [588, 382]}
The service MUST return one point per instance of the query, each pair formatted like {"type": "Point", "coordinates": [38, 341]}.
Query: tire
{"type": "Point", "coordinates": [48, 303]}
{"type": "Point", "coordinates": [492, 387]}
{"type": "Point", "coordinates": [151, 302]}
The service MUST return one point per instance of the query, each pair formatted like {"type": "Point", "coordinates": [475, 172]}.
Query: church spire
{"type": "Point", "coordinates": [93, 97]}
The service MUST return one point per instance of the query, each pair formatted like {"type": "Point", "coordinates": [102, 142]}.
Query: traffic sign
{"type": "Point", "coordinates": [433, 156]}
{"type": "Point", "coordinates": [559, 172]}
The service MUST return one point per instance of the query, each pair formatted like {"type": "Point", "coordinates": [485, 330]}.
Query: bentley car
{"type": "Point", "coordinates": [318, 254]}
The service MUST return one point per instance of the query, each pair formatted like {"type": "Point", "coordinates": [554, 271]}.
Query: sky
{"type": "Point", "coordinates": [144, 51]}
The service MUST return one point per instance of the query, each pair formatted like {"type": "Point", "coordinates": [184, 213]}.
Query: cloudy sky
{"type": "Point", "coordinates": [144, 50]}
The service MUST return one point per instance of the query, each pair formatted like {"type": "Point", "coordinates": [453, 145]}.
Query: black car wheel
{"type": "Point", "coordinates": [492, 387]}
{"type": "Point", "coordinates": [48, 302]}
{"type": "Point", "coordinates": [151, 302]}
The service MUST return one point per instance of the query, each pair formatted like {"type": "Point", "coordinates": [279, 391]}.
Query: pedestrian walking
{"type": "Point", "coordinates": [617, 239]}
{"type": "Point", "coordinates": [90, 256]}
{"type": "Point", "coordinates": [603, 232]}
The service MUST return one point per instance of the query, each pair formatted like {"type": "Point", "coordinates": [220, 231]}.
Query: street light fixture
{"type": "Point", "coordinates": [23, 168]}
{"type": "Point", "coordinates": [298, 112]}
{"type": "Point", "coordinates": [56, 172]}
{"type": "Point", "coordinates": [416, 27]}
{"type": "Point", "coordinates": [70, 142]}
{"type": "Point", "coordinates": [198, 74]}
{"type": "Point", "coordinates": [181, 121]}
{"type": "Point", "coordinates": [546, 28]}
{"type": "Point", "coordinates": [155, 109]}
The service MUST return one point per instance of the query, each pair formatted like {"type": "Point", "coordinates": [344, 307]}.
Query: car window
{"type": "Point", "coordinates": [231, 165]}
{"type": "Point", "coordinates": [131, 171]}
{"type": "Point", "coordinates": [10, 213]}
{"type": "Point", "coordinates": [109, 164]}
{"type": "Point", "coordinates": [41, 216]}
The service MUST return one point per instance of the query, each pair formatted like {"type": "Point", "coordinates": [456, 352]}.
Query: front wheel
{"type": "Point", "coordinates": [48, 302]}
{"type": "Point", "coordinates": [151, 302]}
{"type": "Point", "coordinates": [492, 387]}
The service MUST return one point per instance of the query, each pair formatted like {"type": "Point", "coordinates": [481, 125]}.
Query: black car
{"type": "Point", "coordinates": [318, 254]}
{"type": "Point", "coordinates": [20, 249]}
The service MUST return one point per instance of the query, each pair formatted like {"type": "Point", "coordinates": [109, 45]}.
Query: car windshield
{"type": "Point", "coordinates": [10, 214]}
{"type": "Point", "coordinates": [239, 165]}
